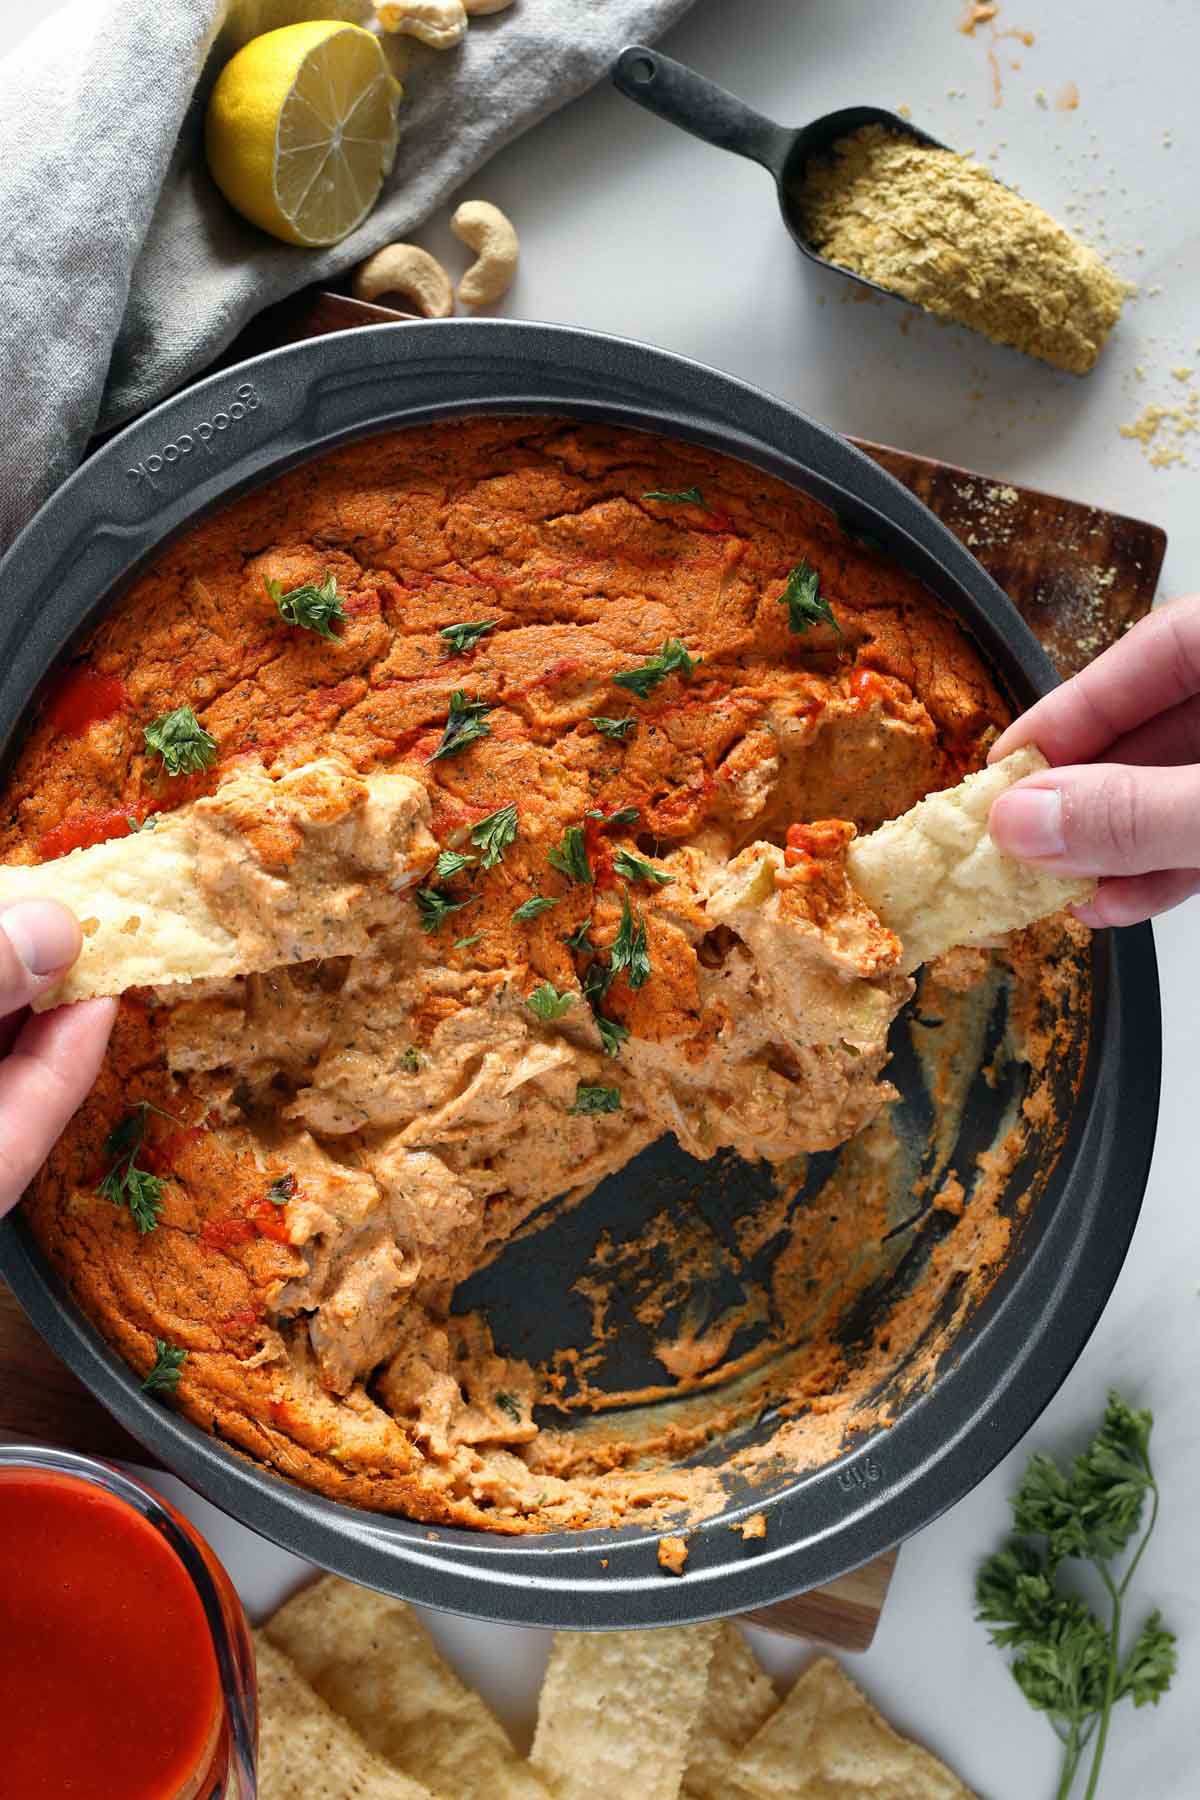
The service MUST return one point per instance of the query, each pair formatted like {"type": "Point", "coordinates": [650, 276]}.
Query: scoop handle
{"type": "Point", "coordinates": [677, 94]}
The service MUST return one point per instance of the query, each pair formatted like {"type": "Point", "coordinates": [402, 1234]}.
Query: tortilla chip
{"type": "Point", "coordinates": [305, 1752]}
{"type": "Point", "coordinates": [617, 1712]}
{"type": "Point", "coordinates": [738, 1698]}
{"type": "Point", "coordinates": [827, 1742]}
{"type": "Point", "coordinates": [260, 873]}
{"type": "Point", "coordinates": [371, 1659]}
{"type": "Point", "coordinates": [936, 879]}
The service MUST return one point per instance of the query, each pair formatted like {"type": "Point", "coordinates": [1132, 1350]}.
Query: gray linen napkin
{"type": "Point", "coordinates": [122, 270]}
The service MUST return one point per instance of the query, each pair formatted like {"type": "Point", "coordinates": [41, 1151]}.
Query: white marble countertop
{"type": "Point", "coordinates": [632, 227]}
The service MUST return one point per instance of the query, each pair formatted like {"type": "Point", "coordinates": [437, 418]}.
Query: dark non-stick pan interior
{"type": "Point", "coordinates": [1081, 1194]}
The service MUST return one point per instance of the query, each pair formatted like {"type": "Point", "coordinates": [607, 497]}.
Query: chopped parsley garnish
{"type": "Point", "coordinates": [672, 659]}
{"type": "Point", "coordinates": [630, 951]}
{"type": "Point", "coordinates": [612, 1033]}
{"type": "Point", "coordinates": [570, 856]}
{"type": "Point", "coordinates": [465, 724]}
{"type": "Point", "coordinates": [182, 742]}
{"type": "Point", "coordinates": [594, 1099]}
{"type": "Point", "coordinates": [315, 607]}
{"type": "Point", "coordinates": [281, 1190]}
{"type": "Point", "coordinates": [461, 638]}
{"type": "Point", "coordinates": [804, 600]}
{"type": "Point", "coordinates": [579, 941]}
{"type": "Point", "coordinates": [615, 728]}
{"type": "Point", "coordinates": [1067, 1661]}
{"type": "Point", "coordinates": [635, 868]}
{"type": "Point", "coordinates": [548, 1003]}
{"type": "Point", "coordinates": [676, 496]}
{"type": "Point", "coordinates": [494, 834]}
{"type": "Point", "coordinates": [466, 942]}
{"type": "Point", "coordinates": [146, 824]}
{"type": "Point", "coordinates": [508, 1404]}
{"type": "Point", "coordinates": [451, 863]}
{"type": "Point", "coordinates": [168, 1366]}
{"type": "Point", "coordinates": [624, 815]}
{"type": "Point", "coordinates": [410, 1062]}
{"type": "Point", "coordinates": [126, 1184]}
{"type": "Point", "coordinates": [435, 908]}
{"type": "Point", "coordinates": [531, 908]}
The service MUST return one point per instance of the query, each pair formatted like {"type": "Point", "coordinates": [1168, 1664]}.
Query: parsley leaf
{"type": "Point", "coordinates": [435, 908]}
{"type": "Point", "coordinates": [1066, 1660]}
{"type": "Point", "coordinates": [410, 1062]}
{"type": "Point", "coordinates": [465, 724]}
{"type": "Point", "coordinates": [494, 834]}
{"type": "Point", "coordinates": [461, 638]}
{"type": "Point", "coordinates": [804, 600]}
{"type": "Point", "coordinates": [464, 943]}
{"type": "Point", "coordinates": [168, 1366]}
{"type": "Point", "coordinates": [593, 1099]}
{"type": "Point", "coordinates": [672, 659]}
{"type": "Point", "coordinates": [182, 742]}
{"type": "Point", "coordinates": [612, 1033]}
{"type": "Point", "coordinates": [624, 815]}
{"type": "Point", "coordinates": [451, 863]}
{"type": "Point", "coordinates": [615, 728]}
{"type": "Point", "coordinates": [630, 951]}
{"type": "Point", "coordinates": [315, 607]}
{"type": "Point", "coordinates": [281, 1190]}
{"type": "Point", "coordinates": [126, 1184]}
{"type": "Point", "coordinates": [570, 856]}
{"type": "Point", "coordinates": [681, 496]}
{"type": "Point", "coordinates": [508, 1404]}
{"type": "Point", "coordinates": [548, 1003]}
{"type": "Point", "coordinates": [579, 941]}
{"type": "Point", "coordinates": [530, 909]}
{"type": "Point", "coordinates": [635, 868]}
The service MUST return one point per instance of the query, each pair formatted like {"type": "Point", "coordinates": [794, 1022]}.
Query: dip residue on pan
{"type": "Point", "coordinates": [419, 1261]}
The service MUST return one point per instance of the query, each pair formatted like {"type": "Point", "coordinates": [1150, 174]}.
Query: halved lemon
{"type": "Point", "coordinates": [301, 130]}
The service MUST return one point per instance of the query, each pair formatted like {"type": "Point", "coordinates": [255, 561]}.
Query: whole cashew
{"type": "Point", "coordinates": [478, 7]}
{"type": "Point", "coordinates": [439, 23]}
{"type": "Point", "coordinates": [486, 230]}
{"type": "Point", "coordinates": [404, 269]}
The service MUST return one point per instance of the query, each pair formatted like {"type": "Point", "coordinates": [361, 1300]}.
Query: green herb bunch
{"type": "Point", "coordinates": [1067, 1661]}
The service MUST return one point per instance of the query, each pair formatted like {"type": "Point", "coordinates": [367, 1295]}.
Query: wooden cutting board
{"type": "Point", "coordinates": [1078, 575]}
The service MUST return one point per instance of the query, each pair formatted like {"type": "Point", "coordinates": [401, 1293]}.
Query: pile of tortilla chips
{"type": "Point", "coordinates": [357, 1704]}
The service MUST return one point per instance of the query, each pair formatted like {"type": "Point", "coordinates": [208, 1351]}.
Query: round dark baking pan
{"type": "Point", "coordinates": [245, 426]}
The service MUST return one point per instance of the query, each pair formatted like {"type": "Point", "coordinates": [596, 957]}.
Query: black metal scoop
{"type": "Point", "coordinates": [677, 94]}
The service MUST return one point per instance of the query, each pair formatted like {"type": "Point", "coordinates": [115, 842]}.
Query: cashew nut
{"type": "Point", "coordinates": [487, 231]}
{"type": "Point", "coordinates": [412, 273]}
{"type": "Point", "coordinates": [477, 7]}
{"type": "Point", "coordinates": [439, 23]}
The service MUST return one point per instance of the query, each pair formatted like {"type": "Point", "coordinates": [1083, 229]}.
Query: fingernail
{"type": "Point", "coordinates": [44, 937]}
{"type": "Point", "coordinates": [1030, 822]}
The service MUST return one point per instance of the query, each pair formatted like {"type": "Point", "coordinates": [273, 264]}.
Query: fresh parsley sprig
{"type": "Point", "coordinates": [635, 868]}
{"type": "Point", "coordinates": [676, 496]}
{"type": "Point", "coordinates": [435, 907]}
{"type": "Point", "coordinates": [494, 834]}
{"type": "Point", "coordinates": [1067, 1661]}
{"type": "Point", "coordinates": [459, 639]}
{"type": "Point", "coordinates": [167, 1368]}
{"type": "Point", "coordinates": [466, 722]}
{"type": "Point", "coordinates": [282, 1189]}
{"type": "Point", "coordinates": [804, 600]}
{"type": "Point", "coordinates": [315, 606]}
{"type": "Point", "coordinates": [126, 1184]}
{"type": "Point", "coordinates": [580, 941]}
{"type": "Point", "coordinates": [533, 908]}
{"type": "Point", "coordinates": [618, 729]}
{"type": "Point", "coordinates": [547, 1003]}
{"type": "Point", "coordinates": [591, 1098]}
{"type": "Point", "coordinates": [451, 863]}
{"type": "Point", "coordinates": [182, 742]}
{"type": "Point", "coordinates": [570, 856]}
{"type": "Point", "coordinates": [630, 952]}
{"type": "Point", "coordinates": [673, 659]}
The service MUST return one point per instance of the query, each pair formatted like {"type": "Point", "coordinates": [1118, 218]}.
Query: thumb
{"type": "Point", "coordinates": [1102, 819]}
{"type": "Point", "coordinates": [38, 939]}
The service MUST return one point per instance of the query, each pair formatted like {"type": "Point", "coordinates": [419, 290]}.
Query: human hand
{"type": "Point", "coordinates": [48, 1061]}
{"type": "Point", "coordinates": [1122, 799]}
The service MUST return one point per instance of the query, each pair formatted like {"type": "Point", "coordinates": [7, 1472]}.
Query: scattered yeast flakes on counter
{"type": "Point", "coordinates": [1163, 431]}
{"type": "Point", "coordinates": [940, 230]}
